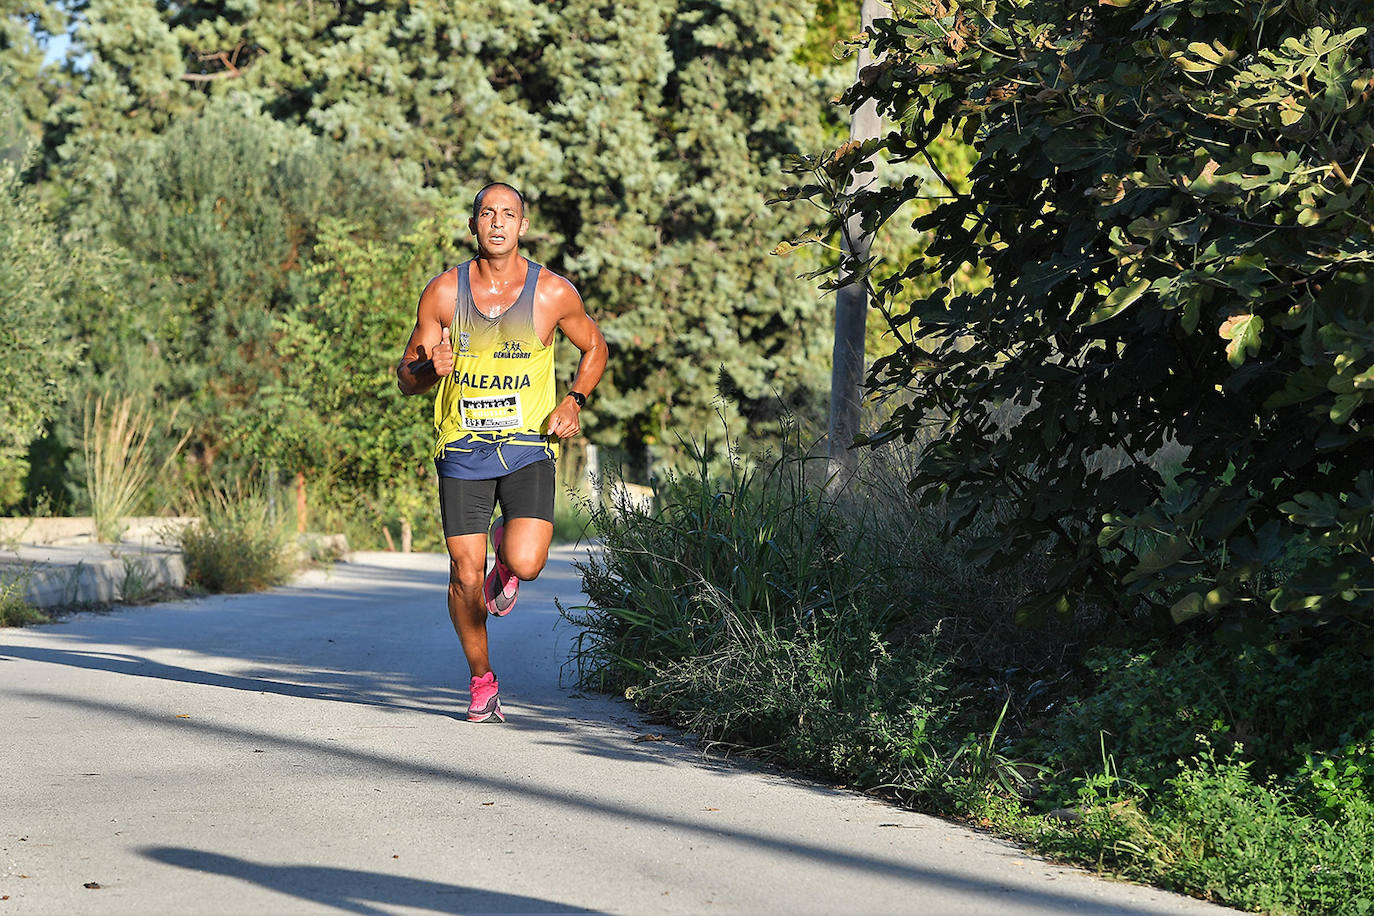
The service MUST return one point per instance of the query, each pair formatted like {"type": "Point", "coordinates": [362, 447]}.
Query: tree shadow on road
{"type": "Point", "coordinates": [408, 663]}
{"type": "Point", "coordinates": [354, 891]}
{"type": "Point", "coordinates": [999, 894]}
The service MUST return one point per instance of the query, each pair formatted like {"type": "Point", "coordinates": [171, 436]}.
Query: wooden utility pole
{"type": "Point", "coordinates": [300, 502]}
{"type": "Point", "coordinates": [851, 300]}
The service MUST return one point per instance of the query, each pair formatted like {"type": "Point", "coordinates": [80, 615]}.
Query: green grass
{"type": "Point", "coordinates": [119, 468]}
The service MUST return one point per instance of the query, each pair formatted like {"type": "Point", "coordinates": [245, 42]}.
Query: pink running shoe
{"type": "Point", "coordinates": [501, 586]}
{"type": "Point", "coordinates": [486, 703]}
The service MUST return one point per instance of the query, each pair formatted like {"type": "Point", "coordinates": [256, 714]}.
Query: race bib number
{"type": "Point", "coordinates": [497, 412]}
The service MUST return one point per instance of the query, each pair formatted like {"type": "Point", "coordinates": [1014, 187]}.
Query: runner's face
{"type": "Point", "coordinates": [500, 222]}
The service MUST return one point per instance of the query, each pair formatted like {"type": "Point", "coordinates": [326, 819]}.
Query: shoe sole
{"type": "Point", "coordinates": [487, 713]}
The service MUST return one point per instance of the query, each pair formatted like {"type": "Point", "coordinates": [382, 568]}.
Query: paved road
{"type": "Point", "coordinates": [304, 751]}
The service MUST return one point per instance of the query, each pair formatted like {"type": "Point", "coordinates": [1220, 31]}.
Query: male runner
{"type": "Point", "coordinates": [484, 334]}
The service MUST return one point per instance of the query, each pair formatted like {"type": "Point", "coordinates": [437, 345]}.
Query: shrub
{"type": "Point", "coordinates": [1216, 831]}
{"type": "Point", "coordinates": [1342, 778]}
{"type": "Point", "coordinates": [825, 630]}
{"type": "Point", "coordinates": [1147, 707]}
{"type": "Point", "coordinates": [238, 545]}
{"type": "Point", "coordinates": [1251, 844]}
{"type": "Point", "coordinates": [760, 541]}
{"type": "Point", "coordinates": [15, 610]}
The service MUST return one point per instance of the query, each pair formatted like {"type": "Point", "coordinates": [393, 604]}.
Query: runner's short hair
{"type": "Point", "coordinates": [477, 201]}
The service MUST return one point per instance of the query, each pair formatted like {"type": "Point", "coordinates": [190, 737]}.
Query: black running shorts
{"type": "Point", "coordinates": [466, 505]}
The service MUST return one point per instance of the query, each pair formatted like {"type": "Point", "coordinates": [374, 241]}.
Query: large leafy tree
{"type": "Point", "coordinates": [1169, 382]}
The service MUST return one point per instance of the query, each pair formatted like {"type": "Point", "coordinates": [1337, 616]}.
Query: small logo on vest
{"type": "Point", "coordinates": [463, 338]}
{"type": "Point", "coordinates": [511, 349]}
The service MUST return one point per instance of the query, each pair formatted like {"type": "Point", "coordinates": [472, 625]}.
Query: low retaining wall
{"type": "Point", "coordinates": [144, 530]}
{"type": "Point", "coordinates": [59, 562]}
{"type": "Point", "coordinates": [58, 576]}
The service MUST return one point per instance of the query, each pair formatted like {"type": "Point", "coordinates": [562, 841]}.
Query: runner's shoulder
{"type": "Point", "coordinates": [556, 291]}
{"type": "Point", "coordinates": [446, 281]}
{"type": "Point", "coordinates": [441, 290]}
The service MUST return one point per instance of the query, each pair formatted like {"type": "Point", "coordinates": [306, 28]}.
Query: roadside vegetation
{"type": "Point", "coordinates": [239, 544]}
{"type": "Point", "coordinates": [15, 610]}
{"type": "Point", "coordinates": [848, 636]}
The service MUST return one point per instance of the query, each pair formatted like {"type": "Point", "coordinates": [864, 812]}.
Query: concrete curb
{"type": "Point", "coordinates": [57, 576]}
{"type": "Point", "coordinates": [81, 571]}
{"type": "Point", "coordinates": [60, 562]}
{"type": "Point", "coordinates": [80, 529]}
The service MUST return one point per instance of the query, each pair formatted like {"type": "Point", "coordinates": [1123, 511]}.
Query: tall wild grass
{"type": "Point", "coordinates": [119, 463]}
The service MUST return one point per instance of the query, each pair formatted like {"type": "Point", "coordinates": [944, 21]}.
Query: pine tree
{"type": "Point", "coordinates": [26, 27]}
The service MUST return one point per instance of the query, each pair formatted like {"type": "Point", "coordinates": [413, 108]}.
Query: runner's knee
{"type": "Point", "coordinates": [464, 577]}
{"type": "Point", "coordinates": [527, 563]}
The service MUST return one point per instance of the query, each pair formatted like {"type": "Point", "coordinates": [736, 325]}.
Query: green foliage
{"type": "Point", "coordinates": [15, 610]}
{"type": "Point", "coordinates": [1240, 840]}
{"type": "Point", "coordinates": [833, 22]}
{"type": "Point", "coordinates": [1217, 831]}
{"type": "Point", "coordinates": [1146, 709]}
{"type": "Point", "coordinates": [734, 607]}
{"type": "Point", "coordinates": [758, 540]}
{"type": "Point", "coordinates": [333, 408]}
{"type": "Point", "coordinates": [1172, 202]}
{"type": "Point", "coordinates": [217, 219]}
{"type": "Point", "coordinates": [35, 352]}
{"type": "Point", "coordinates": [1342, 777]}
{"type": "Point", "coordinates": [26, 27]}
{"type": "Point", "coordinates": [240, 543]}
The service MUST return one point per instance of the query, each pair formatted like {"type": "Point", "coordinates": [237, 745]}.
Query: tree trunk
{"type": "Point", "coordinates": [851, 300]}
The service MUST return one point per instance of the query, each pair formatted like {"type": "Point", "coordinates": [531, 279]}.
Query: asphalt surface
{"type": "Point", "coordinates": [305, 751]}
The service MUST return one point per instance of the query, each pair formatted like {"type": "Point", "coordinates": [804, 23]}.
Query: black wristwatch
{"type": "Point", "coordinates": [579, 399]}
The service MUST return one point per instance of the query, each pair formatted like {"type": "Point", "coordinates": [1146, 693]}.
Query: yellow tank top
{"type": "Point", "coordinates": [502, 389]}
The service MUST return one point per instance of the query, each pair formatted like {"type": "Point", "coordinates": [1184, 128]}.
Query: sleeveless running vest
{"type": "Point", "coordinates": [491, 415]}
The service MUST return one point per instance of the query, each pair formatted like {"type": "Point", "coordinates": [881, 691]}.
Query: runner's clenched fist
{"type": "Point", "coordinates": [443, 356]}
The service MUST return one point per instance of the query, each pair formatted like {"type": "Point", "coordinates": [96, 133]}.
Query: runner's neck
{"type": "Point", "coordinates": [499, 280]}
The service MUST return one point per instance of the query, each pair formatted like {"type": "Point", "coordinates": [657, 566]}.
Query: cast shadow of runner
{"type": "Point", "coordinates": [354, 891]}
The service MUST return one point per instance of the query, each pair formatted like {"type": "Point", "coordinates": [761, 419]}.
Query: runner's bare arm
{"type": "Point", "coordinates": [428, 355]}
{"type": "Point", "coordinates": [570, 316]}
